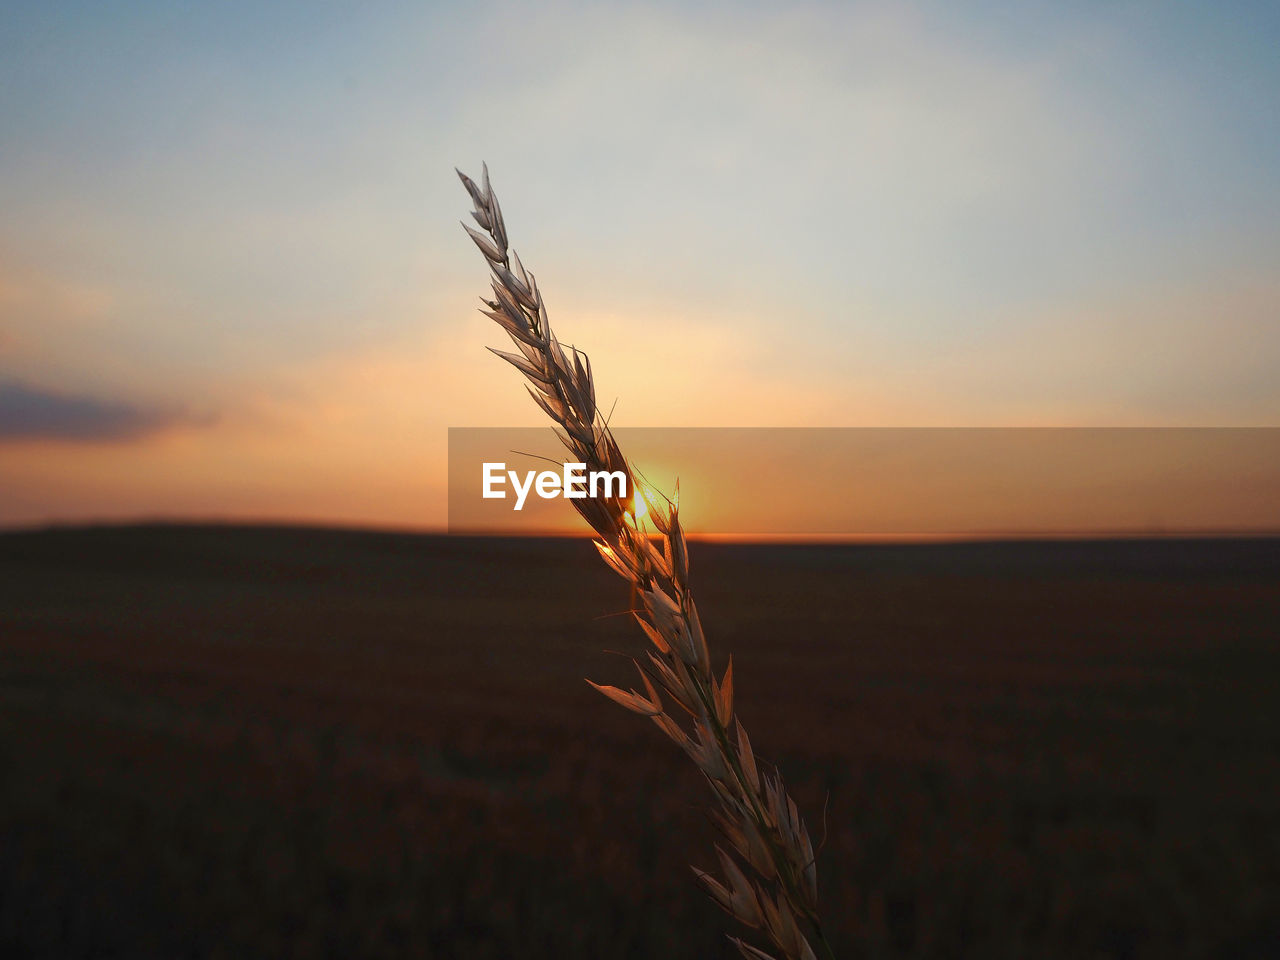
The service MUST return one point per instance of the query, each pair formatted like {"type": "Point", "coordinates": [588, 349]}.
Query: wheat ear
{"type": "Point", "coordinates": [777, 892]}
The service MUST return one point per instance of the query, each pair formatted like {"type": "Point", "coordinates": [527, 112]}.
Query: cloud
{"type": "Point", "coordinates": [31, 413]}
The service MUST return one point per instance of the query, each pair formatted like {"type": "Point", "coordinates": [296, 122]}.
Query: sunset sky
{"type": "Point", "coordinates": [233, 284]}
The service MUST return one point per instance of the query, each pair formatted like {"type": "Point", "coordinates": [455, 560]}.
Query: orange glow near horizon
{"type": "Point", "coordinates": [915, 484]}
{"type": "Point", "coordinates": [883, 484]}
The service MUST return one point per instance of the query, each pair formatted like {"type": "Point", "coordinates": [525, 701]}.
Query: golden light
{"type": "Point", "coordinates": [639, 503]}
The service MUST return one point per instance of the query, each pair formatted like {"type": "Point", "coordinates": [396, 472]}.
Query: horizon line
{"type": "Point", "coordinates": [799, 539]}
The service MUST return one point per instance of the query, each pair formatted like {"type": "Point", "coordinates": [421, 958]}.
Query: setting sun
{"type": "Point", "coordinates": [640, 501]}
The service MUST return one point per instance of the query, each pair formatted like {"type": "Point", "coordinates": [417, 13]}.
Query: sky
{"type": "Point", "coordinates": [233, 284]}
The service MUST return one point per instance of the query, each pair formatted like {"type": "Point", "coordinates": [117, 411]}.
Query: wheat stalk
{"type": "Point", "coordinates": [769, 881]}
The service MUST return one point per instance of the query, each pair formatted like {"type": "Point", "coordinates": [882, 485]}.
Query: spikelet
{"type": "Point", "coordinates": [777, 892]}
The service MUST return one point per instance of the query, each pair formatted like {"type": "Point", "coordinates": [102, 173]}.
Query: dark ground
{"type": "Point", "coordinates": [294, 743]}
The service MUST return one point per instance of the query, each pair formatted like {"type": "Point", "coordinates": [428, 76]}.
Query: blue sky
{"type": "Point", "coordinates": [238, 221]}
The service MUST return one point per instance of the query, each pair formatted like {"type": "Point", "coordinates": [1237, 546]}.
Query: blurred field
{"type": "Point", "coordinates": [222, 742]}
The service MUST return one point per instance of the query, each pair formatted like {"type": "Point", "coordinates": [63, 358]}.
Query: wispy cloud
{"type": "Point", "coordinates": [32, 413]}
